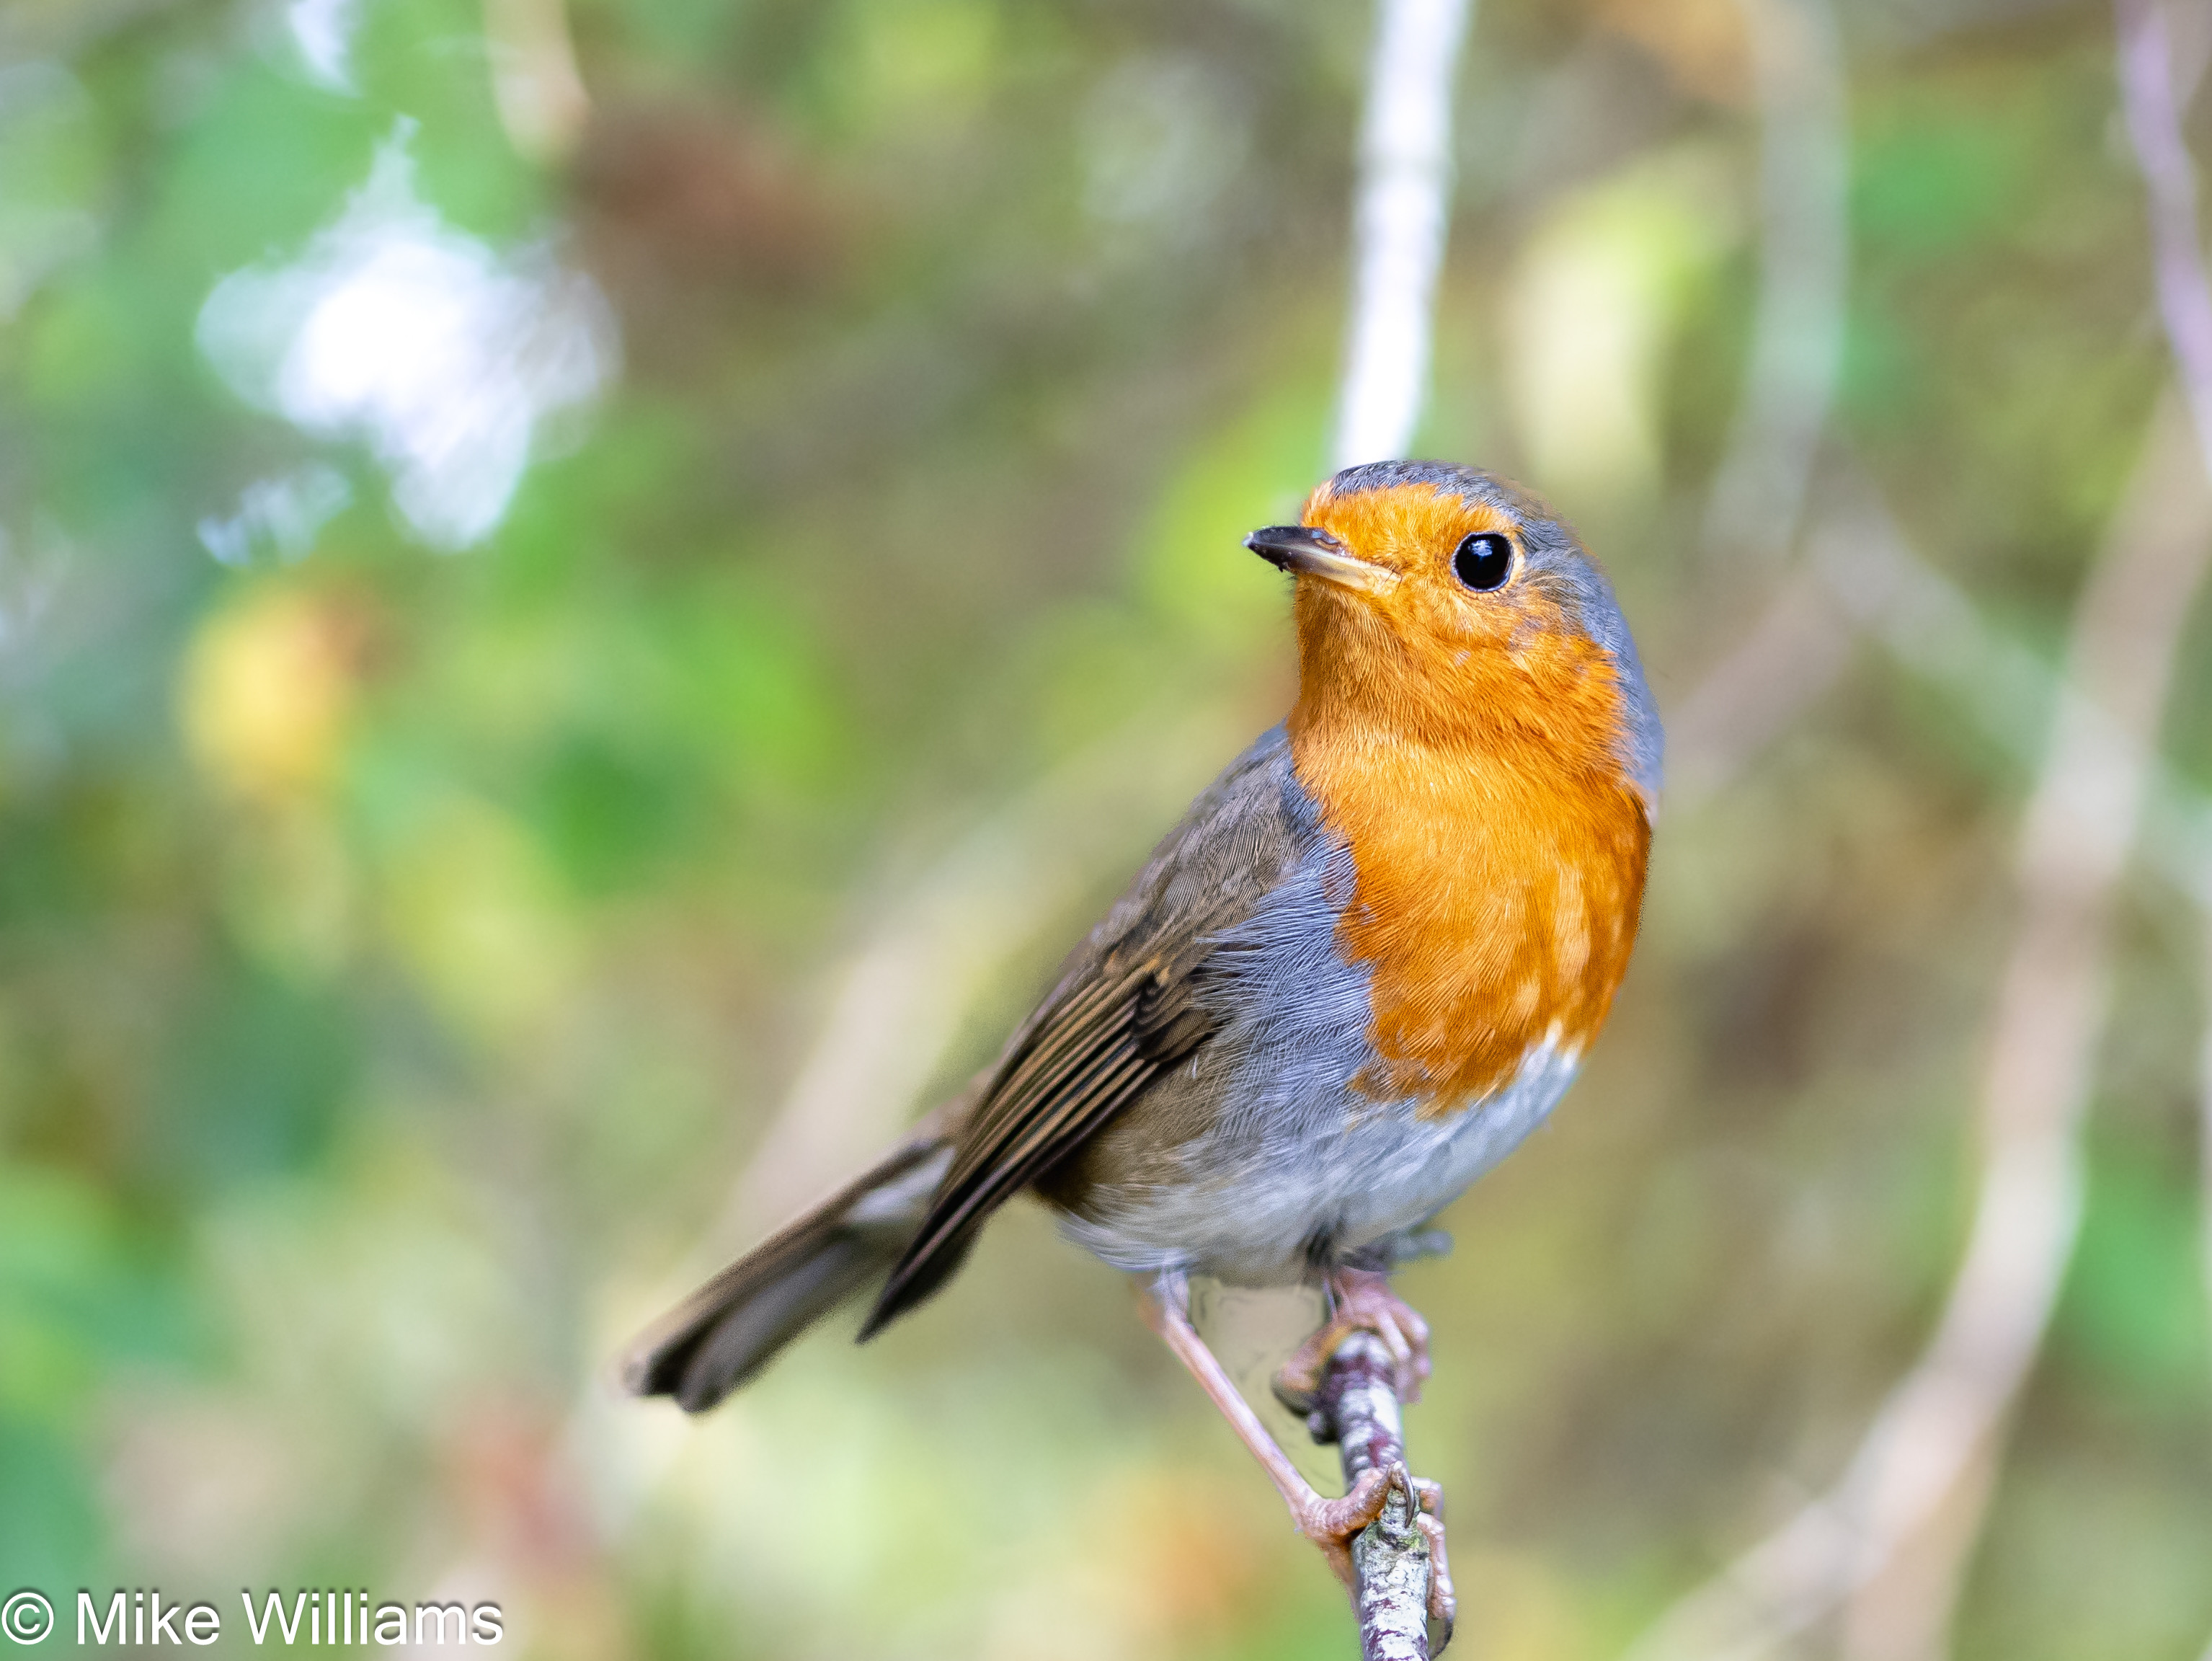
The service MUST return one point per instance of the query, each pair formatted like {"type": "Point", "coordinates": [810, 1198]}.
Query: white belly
{"type": "Point", "coordinates": [1350, 1172]}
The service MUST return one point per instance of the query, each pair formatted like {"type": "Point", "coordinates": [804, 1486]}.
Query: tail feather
{"type": "Point", "coordinates": [725, 1333]}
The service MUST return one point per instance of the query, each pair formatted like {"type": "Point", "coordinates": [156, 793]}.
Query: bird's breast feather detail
{"type": "Point", "coordinates": [1495, 892]}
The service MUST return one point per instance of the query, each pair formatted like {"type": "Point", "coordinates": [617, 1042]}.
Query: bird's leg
{"type": "Point", "coordinates": [1360, 1301]}
{"type": "Point", "coordinates": [1330, 1524]}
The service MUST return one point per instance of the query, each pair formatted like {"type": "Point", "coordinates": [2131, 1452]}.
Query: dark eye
{"type": "Point", "coordinates": [1484, 562]}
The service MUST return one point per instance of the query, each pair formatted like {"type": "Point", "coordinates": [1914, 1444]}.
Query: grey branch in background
{"type": "Point", "coordinates": [2152, 104]}
{"type": "Point", "coordinates": [2204, 1137]}
{"type": "Point", "coordinates": [2153, 90]}
{"type": "Point", "coordinates": [1403, 208]}
{"type": "Point", "coordinates": [1888, 1543]}
{"type": "Point", "coordinates": [1945, 1423]}
{"type": "Point", "coordinates": [1797, 337]}
{"type": "Point", "coordinates": [536, 85]}
{"type": "Point", "coordinates": [1793, 652]}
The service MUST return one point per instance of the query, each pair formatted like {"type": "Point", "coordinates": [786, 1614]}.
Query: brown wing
{"type": "Point", "coordinates": [1127, 1010]}
{"type": "Point", "coordinates": [1106, 1034]}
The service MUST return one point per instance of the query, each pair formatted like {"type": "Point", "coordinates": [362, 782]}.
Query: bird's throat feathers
{"type": "Point", "coordinates": [1498, 842]}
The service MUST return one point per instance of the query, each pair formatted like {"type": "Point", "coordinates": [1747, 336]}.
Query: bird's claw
{"type": "Point", "coordinates": [1361, 1300]}
{"type": "Point", "coordinates": [1332, 1524]}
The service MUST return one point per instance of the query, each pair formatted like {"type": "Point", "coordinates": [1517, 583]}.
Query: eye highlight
{"type": "Point", "coordinates": [1484, 560]}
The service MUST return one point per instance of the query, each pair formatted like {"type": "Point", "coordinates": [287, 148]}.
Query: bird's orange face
{"type": "Point", "coordinates": [1450, 620]}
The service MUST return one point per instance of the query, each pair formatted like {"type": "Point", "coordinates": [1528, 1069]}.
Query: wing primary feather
{"type": "Point", "coordinates": [997, 1171]}
{"type": "Point", "coordinates": [1128, 1008]}
{"type": "Point", "coordinates": [935, 1257]}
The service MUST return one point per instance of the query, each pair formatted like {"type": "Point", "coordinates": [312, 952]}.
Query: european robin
{"type": "Point", "coordinates": [1362, 968]}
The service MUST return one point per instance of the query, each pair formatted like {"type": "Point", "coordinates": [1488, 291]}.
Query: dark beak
{"type": "Point", "coordinates": [1305, 551]}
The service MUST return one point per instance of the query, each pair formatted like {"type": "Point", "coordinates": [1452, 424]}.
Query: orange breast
{"type": "Point", "coordinates": [1499, 873]}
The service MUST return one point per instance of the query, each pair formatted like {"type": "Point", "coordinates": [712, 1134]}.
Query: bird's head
{"type": "Point", "coordinates": [1439, 605]}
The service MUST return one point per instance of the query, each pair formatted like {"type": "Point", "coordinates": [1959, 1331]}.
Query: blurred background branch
{"type": "Point", "coordinates": [1798, 82]}
{"type": "Point", "coordinates": [535, 81]}
{"type": "Point", "coordinates": [2204, 1139]}
{"type": "Point", "coordinates": [2156, 85]}
{"type": "Point", "coordinates": [1399, 214]}
{"type": "Point", "coordinates": [1792, 653]}
{"type": "Point", "coordinates": [1887, 1543]}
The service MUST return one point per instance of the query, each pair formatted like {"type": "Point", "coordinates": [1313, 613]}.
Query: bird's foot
{"type": "Point", "coordinates": [1360, 1301]}
{"type": "Point", "coordinates": [1334, 1524]}
{"type": "Point", "coordinates": [1331, 1525]}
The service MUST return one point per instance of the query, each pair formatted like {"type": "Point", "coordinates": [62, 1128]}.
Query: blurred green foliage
{"type": "Point", "coordinates": [401, 952]}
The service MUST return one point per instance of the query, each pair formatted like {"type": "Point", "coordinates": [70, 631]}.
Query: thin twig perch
{"type": "Point", "coordinates": [1396, 1556]}
{"type": "Point", "coordinates": [1397, 1561]}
